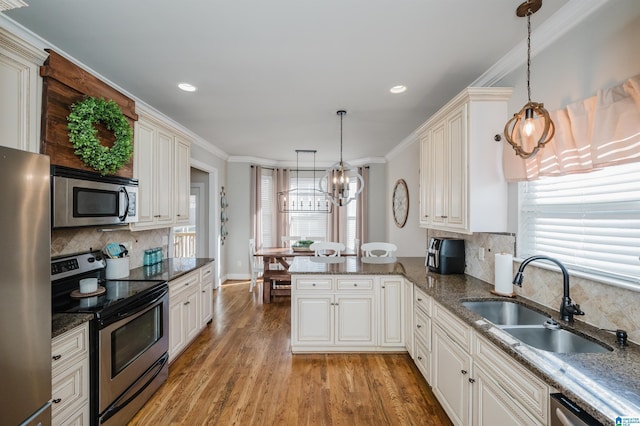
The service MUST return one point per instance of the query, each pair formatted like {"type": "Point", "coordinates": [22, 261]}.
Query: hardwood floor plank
{"type": "Point", "coordinates": [240, 371]}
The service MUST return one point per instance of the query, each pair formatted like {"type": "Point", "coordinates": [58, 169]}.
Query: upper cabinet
{"type": "Point", "coordinates": [462, 188]}
{"type": "Point", "coordinates": [20, 93]}
{"type": "Point", "coordinates": [162, 167]}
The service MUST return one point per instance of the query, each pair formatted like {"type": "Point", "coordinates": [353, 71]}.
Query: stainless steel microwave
{"type": "Point", "coordinates": [81, 198]}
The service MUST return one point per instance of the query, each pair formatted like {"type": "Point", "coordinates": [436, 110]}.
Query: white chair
{"type": "Point", "coordinates": [327, 248]}
{"type": "Point", "coordinates": [378, 249]}
{"type": "Point", "coordinates": [289, 240]}
{"type": "Point", "coordinates": [256, 265]}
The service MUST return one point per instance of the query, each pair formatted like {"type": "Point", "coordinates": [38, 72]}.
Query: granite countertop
{"type": "Point", "coordinates": [605, 385]}
{"type": "Point", "coordinates": [168, 270]}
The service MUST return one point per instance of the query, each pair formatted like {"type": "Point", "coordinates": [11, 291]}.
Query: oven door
{"type": "Point", "coordinates": [130, 346]}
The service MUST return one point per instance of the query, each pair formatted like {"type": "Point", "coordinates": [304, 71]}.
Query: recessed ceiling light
{"type": "Point", "coordinates": [398, 89]}
{"type": "Point", "coordinates": [187, 87]}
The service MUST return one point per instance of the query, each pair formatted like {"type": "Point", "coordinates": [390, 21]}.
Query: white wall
{"type": "Point", "coordinates": [411, 239]}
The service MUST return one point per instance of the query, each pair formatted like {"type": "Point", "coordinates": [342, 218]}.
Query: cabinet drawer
{"type": "Point", "coordinates": [206, 273]}
{"type": "Point", "coordinates": [422, 301]}
{"type": "Point", "coordinates": [516, 380]}
{"type": "Point", "coordinates": [453, 327]}
{"type": "Point", "coordinates": [422, 328]}
{"type": "Point", "coordinates": [314, 284]}
{"type": "Point", "coordinates": [69, 345]}
{"type": "Point", "coordinates": [69, 388]}
{"type": "Point", "coordinates": [354, 283]}
{"type": "Point", "coordinates": [423, 360]}
{"type": "Point", "coordinates": [185, 282]}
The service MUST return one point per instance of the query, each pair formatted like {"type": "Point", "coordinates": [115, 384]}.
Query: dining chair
{"type": "Point", "coordinates": [289, 240]}
{"type": "Point", "coordinates": [255, 264]}
{"type": "Point", "coordinates": [378, 249]}
{"type": "Point", "coordinates": [327, 248]}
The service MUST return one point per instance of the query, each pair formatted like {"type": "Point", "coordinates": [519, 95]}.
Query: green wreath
{"type": "Point", "coordinates": [83, 135]}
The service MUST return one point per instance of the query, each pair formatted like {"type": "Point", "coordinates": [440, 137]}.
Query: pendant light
{"type": "Point", "coordinates": [307, 199]}
{"type": "Point", "coordinates": [335, 183]}
{"type": "Point", "coordinates": [531, 126]}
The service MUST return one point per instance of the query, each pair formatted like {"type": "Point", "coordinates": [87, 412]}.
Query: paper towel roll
{"type": "Point", "coordinates": [504, 274]}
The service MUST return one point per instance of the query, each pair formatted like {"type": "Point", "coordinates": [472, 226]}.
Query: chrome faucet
{"type": "Point", "coordinates": [567, 309]}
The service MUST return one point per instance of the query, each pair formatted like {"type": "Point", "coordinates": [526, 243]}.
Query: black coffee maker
{"type": "Point", "coordinates": [445, 256]}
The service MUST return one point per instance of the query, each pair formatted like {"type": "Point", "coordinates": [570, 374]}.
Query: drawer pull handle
{"type": "Point", "coordinates": [57, 401]}
{"type": "Point", "coordinates": [419, 299]}
{"type": "Point", "coordinates": [56, 357]}
{"type": "Point", "coordinates": [186, 303]}
{"type": "Point", "coordinates": [463, 371]}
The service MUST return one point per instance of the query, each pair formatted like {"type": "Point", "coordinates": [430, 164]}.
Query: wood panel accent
{"type": "Point", "coordinates": [63, 84]}
{"type": "Point", "coordinates": [240, 370]}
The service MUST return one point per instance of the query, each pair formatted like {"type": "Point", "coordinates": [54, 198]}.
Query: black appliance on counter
{"type": "Point", "coordinates": [445, 256]}
{"type": "Point", "coordinates": [128, 334]}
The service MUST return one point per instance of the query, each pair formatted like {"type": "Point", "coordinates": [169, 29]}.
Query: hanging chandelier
{"type": "Point", "coordinates": [531, 126]}
{"type": "Point", "coordinates": [335, 183]}
{"type": "Point", "coordinates": [306, 198]}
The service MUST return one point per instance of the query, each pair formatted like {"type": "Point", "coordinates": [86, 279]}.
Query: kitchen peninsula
{"type": "Point", "coordinates": [605, 385]}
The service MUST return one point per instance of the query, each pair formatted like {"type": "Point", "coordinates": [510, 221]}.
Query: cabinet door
{"type": "Point", "coordinates": [439, 163]}
{"type": "Point", "coordinates": [425, 181]}
{"type": "Point", "coordinates": [313, 317]}
{"type": "Point", "coordinates": [391, 312]}
{"type": "Point", "coordinates": [144, 166]}
{"type": "Point", "coordinates": [182, 181]}
{"type": "Point", "coordinates": [177, 335]}
{"type": "Point", "coordinates": [457, 173]}
{"type": "Point", "coordinates": [355, 320]}
{"type": "Point", "coordinates": [191, 314]}
{"type": "Point", "coordinates": [164, 177]}
{"type": "Point", "coordinates": [450, 375]}
{"type": "Point", "coordinates": [492, 405]}
{"type": "Point", "coordinates": [206, 308]}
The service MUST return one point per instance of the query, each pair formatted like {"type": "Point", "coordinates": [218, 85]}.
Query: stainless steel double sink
{"type": "Point", "coordinates": [532, 327]}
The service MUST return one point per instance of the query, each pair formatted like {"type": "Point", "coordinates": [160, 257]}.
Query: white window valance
{"type": "Point", "coordinates": [600, 131]}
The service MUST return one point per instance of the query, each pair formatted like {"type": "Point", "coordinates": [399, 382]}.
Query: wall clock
{"type": "Point", "coordinates": [400, 203]}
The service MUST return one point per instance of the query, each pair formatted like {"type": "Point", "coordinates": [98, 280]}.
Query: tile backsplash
{"type": "Point", "coordinates": [76, 240]}
{"type": "Point", "coordinates": [605, 306]}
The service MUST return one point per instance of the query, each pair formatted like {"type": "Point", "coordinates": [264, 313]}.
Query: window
{"type": "Point", "coordinates": [307, 224]}
{"type": "Point", "coordinates": [590, 222]}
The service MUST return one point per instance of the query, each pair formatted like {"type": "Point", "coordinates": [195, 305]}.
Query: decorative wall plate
{"type": "Point", "coordinates": [400, 203]}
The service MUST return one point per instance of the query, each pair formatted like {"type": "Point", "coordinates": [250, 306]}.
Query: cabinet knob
{"type": "Point", "coordinates": [418, 325]}
{"type": "Point", "coordinates": [472, 380]}
{"type": "Point", "coordinates": [56, 357]}
{"type": "Point", "coordinates": [355, 284]}
{"type": "Point", "coordinates": [313, 285]}
{"type": "Point", "coordinates": [444, 217]}
{"type": "Point", "coordinates": [383, 287]}
{"type": "Point", "coordinates": [463, 371]}
{"type": "Point", "coordinates": [419, 299]}
{"type": "Point", "coordinates": [186, 303]}
{"type": "Point", "coordinates": [57, 401]}
{"type": "Point", "coordinates": [419, 358]}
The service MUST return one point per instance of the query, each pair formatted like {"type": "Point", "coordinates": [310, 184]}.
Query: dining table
{"type": "Point", "coordinates": [276, 268]}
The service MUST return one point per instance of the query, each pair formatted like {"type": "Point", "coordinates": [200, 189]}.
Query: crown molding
{"type": "Point", "coordinates": [560, 23]}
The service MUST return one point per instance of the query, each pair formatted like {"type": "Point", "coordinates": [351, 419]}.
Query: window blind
{"type": "Point", "coordinates": [590, 222]}
{"type": "Point", "coordinates": [307, 224]}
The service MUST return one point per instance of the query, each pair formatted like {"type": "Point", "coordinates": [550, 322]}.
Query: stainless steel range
{"type": "Point", "coordinates": [129, 334]}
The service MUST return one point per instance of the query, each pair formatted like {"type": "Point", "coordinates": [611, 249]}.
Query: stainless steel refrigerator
{"type": "Point", "coordinates": [25, 288]}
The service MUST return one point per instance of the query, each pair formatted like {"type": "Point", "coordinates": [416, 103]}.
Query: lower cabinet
{"type": "Point", "coordinates": [70, 377]}
{"type": "Point", "coordinates": [347, 312]}
{"type": "Point", "coordinates": [190, 308]}
{"type": "Point", "coordinates": [475, 382]}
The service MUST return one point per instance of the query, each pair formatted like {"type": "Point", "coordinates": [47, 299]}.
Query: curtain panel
{"type": "Point", "coordinates": [362, 218]}
{"type": "Point", "coordinates": [255, 205]}
{"type": "Point", "coordinates": [600, 131]}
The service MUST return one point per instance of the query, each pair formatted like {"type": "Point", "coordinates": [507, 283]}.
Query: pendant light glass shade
{"type": "Point", "coordinates": [531, 128]}
{"type": "Point", "coordinates": [335, 183]}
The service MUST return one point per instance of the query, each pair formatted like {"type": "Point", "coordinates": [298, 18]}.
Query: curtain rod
{"type": "Point", "coordinates": [304, 170]}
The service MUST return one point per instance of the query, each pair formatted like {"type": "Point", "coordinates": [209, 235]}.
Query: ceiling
{"type": "Point", "coordinates": [272, 74]}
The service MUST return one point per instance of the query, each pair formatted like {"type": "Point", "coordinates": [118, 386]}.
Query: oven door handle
{"type": "Point", "coordinates": [142, 306]}
{"type": "Point", "coordinates": [123, 190]}
{"type": "Point", "coordinates": [136, 388]}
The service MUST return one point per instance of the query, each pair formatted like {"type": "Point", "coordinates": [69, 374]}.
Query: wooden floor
{"type": "Point", "coordinates": [240, 371]}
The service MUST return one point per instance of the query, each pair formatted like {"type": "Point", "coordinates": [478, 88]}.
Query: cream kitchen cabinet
{"type": "Point", "coordinates": [206, 294]}
{"type": "Point", "coordinates": [462, 188]}
{"type": "Point", "coordinates": [184, 312]}
{"type": "Point", "coordinates": [392, 307]}
{"type": "Point", "coordinates": [333, 313]}
{"type": "Point", "coordinates": [21, 89]}
{"type": "Point", "coordinates": [161, 165]}
{"type": "Point", "coordinates": [422, 307]}
{"type": "Point", "coordinates": [70, 377]}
